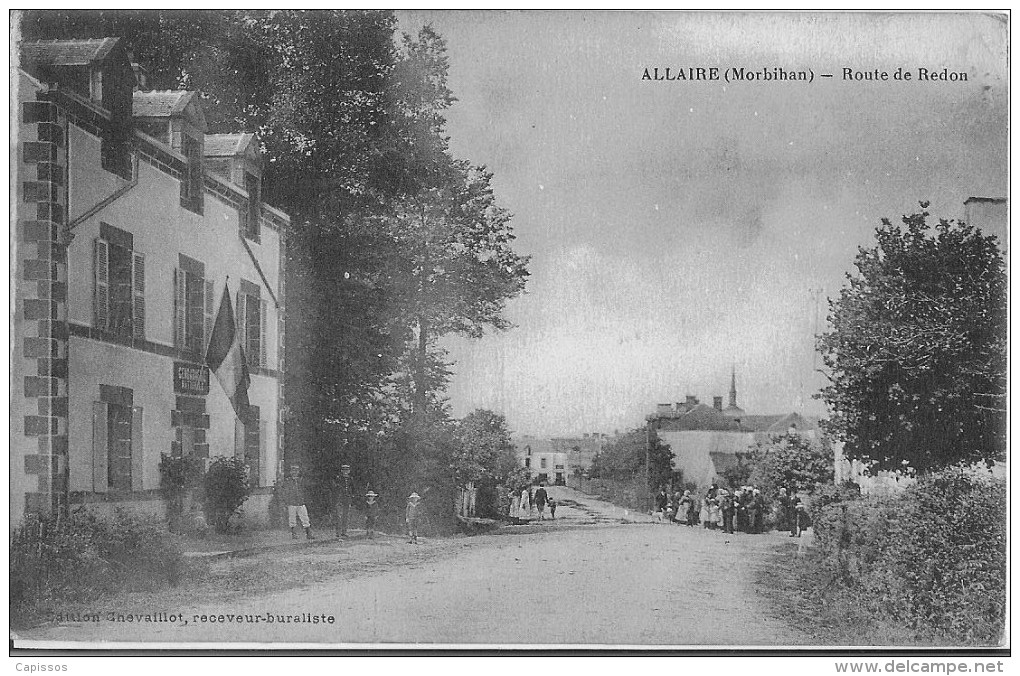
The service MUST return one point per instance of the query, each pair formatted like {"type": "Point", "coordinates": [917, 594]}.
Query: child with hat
{"type": "Point", "coordinates": [412, 516]}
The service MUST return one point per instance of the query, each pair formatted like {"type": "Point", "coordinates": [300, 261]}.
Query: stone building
{"type": "Point", "coordinates": [129, 222]}
{"type": "Point", "coordinates": [706, 440]}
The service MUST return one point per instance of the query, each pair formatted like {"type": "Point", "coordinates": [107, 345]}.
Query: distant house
{"type": "Point", "coordinates": [706, 440]}
{"type": "Point", "coordinates": [545, 464]}
{"type": "Point", "coordinates": [991, 215]}
{"type": "Point", "coordinates": [553, 460]}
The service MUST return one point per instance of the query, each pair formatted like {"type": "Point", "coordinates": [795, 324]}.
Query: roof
{"type": "Point", "coordinates": [67, 52]}
{"type": "Point", "coordinates": [160, 103]}
{"type": "Point", "coordinates": [994, 200]}
{"type": "Point", "coordinates": [227, 145]}
{"type": "Point", "coordinates": [536, 444]}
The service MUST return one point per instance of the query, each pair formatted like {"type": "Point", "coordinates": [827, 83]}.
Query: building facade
{"type": "Point", "coordinates": [554, 460]}
{"type": "Point", "coordinates": [130, 221]}
{"type": "Point", "coordinates": [706, 440]}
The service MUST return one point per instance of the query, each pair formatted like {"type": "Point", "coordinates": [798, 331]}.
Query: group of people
{"type": "Point", "coordinates": [742, 509]}
{"type": "Point", "coordinates": [292, 492]}
{"type": "Point", "coordinates": [528, 500]}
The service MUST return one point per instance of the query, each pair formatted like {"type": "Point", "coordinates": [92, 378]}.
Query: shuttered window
{"type": "Point", "coordinates": [117, 434]}
{"type": "Point", "coordinates": [118, 290]}
{"type": "Point", "coordinates": [192, 181]}
{"type": "Point", "coordinates": [250, 216]}
{"type": "Point", "coordinates": [193, 310]}
{"type": "Point", "coordinates": [252, 319]}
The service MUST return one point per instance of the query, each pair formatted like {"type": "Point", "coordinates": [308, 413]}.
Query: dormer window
{"type": "Point", "coordinates": [253, 186]}
{"type": "Point", "coordinates": [192, 181]}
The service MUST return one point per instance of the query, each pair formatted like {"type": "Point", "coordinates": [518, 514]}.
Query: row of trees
{"type": "Point", "coordinates": [395, 243]}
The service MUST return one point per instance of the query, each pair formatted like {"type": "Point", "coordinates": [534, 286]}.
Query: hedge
{"type": "Point", "coordinates": [932, 558]}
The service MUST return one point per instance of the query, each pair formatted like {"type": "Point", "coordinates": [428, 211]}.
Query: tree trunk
{"type": "Point", "coordinates": [420, 388]}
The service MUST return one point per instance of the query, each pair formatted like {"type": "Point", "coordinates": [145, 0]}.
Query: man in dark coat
{"type": "Point", "coordinates": [541, 497]}
{"type": "Point", "coordinates": [728, 508]}
{"type": "Point", "coordinates": [661, 500]}
{"type": "Point", "coordinates": [756, 512]}
{"type": "Point", "coordinates": [344, 500]}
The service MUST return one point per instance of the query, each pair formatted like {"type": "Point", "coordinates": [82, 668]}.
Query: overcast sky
{"type": "Point", "coordinates": [677, 228]}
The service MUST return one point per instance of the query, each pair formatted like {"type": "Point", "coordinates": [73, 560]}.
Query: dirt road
{"type": "Point", "coordinates": [587, 579]}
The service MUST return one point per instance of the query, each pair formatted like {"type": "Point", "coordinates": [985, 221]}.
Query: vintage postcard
{"type": "Point", "coordinates": [588, 330]}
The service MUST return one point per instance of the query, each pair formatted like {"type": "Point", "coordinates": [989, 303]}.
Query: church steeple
{"type": "Point", "coordinates": [733, 387]}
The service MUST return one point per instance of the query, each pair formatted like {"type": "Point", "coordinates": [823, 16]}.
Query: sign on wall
{"type": "Point", "coordinates": [191, 378]}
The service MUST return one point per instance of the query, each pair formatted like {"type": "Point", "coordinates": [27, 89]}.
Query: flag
{"type": "Point", "coordinates": [225, 357]}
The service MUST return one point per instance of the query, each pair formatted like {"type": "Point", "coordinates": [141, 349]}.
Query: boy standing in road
{"type": "Point", "coordinates": [371, 509]}
{"type": "Point", "coordinates": [412, 516]}
{"type": "Point", "coordinates": [293, 494]}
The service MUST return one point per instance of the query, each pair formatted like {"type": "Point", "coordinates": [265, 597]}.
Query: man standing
{"type": "Point", "coordinates": [782, 515]}
{"type": "Point", "coordinates": [541, 497]}
{"type": "Point", "coordinates": [757, 511]}
{"type": "Point", "coordinates": [728, 508]}
{"type": "Point", "coordinates": [345, 498]}
{"type": "Point", "coordinates": [292, 492]}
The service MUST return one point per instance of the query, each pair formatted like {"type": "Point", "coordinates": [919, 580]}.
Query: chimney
{"type": "Point", "coordinates": [692, 401]}
{"type": "Point", "coordinates": [141, 75]}
{"type": "Point", "coordinates": [664, 410]}
{"type": "Point", "coordinates": [717, 403]}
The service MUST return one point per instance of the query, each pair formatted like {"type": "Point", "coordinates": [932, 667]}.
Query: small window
{"type": "Point", "coordinates": [192, 182]}
{"type": "Point", "coordinates": [542, 463]}
{"type": "Point", "coordinates": [253, 186]}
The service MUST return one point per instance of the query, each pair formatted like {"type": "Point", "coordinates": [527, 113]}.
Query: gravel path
{"type": "Point", "coordinates": [593, 577]}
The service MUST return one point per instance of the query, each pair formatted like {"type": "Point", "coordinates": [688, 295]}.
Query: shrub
{"type": "Point", "coordinates": [82, 557]}
{"type": "Point", "coordinates": [224, 489]}
{"type": "Point", "coordinates": [932, 558]}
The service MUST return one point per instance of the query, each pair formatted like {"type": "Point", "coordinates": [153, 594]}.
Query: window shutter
{"type": "Point", "coordinates": [102, 286]}
{"type": "Point", "coordinates": [137, 449]}
{"type": "Point", "coordinates": [100, 448]}
{"type": "Point", "coordinates": [239, 325]}
{"type": "Point", "coordinates": [263, 322]}
{"type": "Point", "coordinates": [138, 296]}
{"type": "Point", "coordinates": [180, 307]}
{"type": "Point", "coordinates": [210, 298]}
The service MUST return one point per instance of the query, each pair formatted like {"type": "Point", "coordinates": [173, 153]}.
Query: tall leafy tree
{"type": "Point", "coordinates": [452, 268]}
{"type": "Point", "coordinates": [916, 357]}
{"type": "Point", "coordinates": [792, 461]}
{"type": "Point", "coordinates": [484, 451]}
{"type": "Point", "coordinates": [625, 458]}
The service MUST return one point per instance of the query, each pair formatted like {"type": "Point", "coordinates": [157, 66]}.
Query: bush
{"type": "Point", "coordinates": [224, 489]}
{"type": "Point", "coordinates": [82, 557]}
{"type": "Point", "coordinates": [932, 558]}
